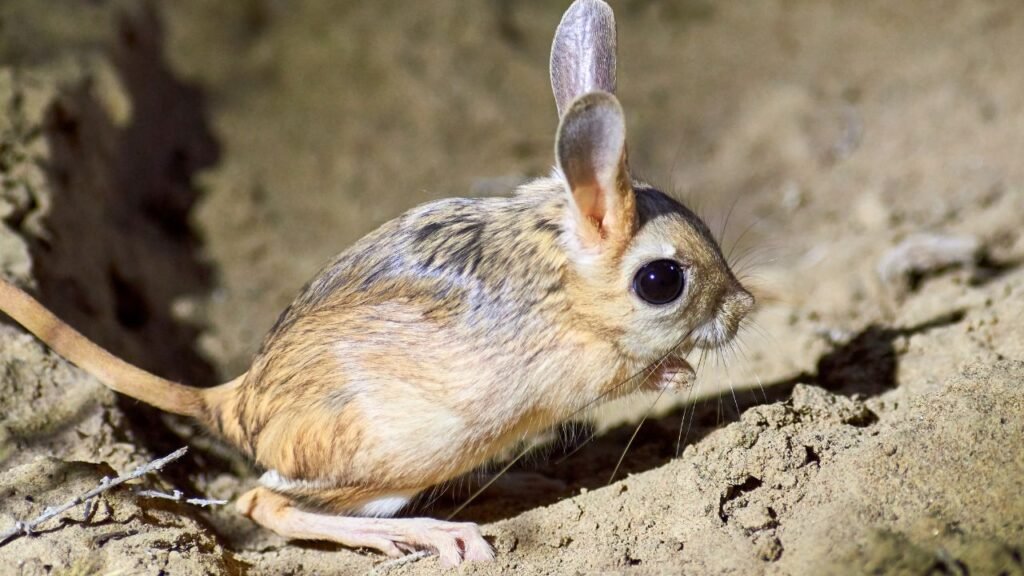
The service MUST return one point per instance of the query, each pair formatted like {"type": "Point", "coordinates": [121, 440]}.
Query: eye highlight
{"type": "Point", "coordinates": [660, 281]}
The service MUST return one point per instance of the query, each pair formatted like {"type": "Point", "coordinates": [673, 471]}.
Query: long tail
{"type": "Point", "coordinates": [107, 368]}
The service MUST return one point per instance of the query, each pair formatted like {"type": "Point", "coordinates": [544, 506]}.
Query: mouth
{"type": "Point", "coordinates": [680, 367]}
{"type": "Point", "coordinates": [674, 373]}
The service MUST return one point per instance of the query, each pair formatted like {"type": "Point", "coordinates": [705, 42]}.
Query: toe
{"type": "Point", "coordinates": [478, 550]}
{"type": "Point", "coordinates": [447, 549]}
{"type": "Point", "coordinates": [475, 547]}
{"type": "Point", "coordinates": [388, 548]}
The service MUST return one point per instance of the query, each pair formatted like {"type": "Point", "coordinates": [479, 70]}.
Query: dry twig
{"type": "Point", "coordinates": [27, 527]}
{"type": "Point", "coordinates": [177, 496]}
{"type": "Point", "coordinates": [394, 563]}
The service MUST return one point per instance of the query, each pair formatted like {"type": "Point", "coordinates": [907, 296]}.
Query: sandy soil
{"type": "Point", "coordinates": [169, 178]}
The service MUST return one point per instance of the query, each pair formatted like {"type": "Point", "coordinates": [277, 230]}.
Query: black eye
{"type": "Point", "coordinates": [660, 281]}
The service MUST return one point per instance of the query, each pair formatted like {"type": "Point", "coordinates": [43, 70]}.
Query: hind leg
{"type": "Point", "coordinates": [452, 541]}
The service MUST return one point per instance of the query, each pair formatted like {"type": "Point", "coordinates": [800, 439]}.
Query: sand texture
{"type": "Point", "coordinates": [172, 174]}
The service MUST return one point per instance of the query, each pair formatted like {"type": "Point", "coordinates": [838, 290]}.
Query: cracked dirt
{"type": "Point", "coordinates": [171, 175]}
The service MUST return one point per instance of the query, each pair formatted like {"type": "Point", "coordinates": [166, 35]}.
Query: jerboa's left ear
{"type": "Point", "coordinates": [591, 152]}
{"type": "Point", "coordinates": [583, 53]}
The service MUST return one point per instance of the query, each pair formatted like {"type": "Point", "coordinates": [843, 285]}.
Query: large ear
{"type": "Point", "coordinates": [591, 152]}
{"type": "Point", "coordinates": [583, 53]}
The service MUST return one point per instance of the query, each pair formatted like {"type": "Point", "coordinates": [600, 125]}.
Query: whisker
{"type": "Point", "coordinates": [647, 413]}
{"type": "Point", "coordinates": [728, 215]}
{"type": "Point", "coordinates": [689, 401]}
{"type": "Point", "coordinates": [752, 325]}
{"type": "Point", "coordinates": [741, 348]}
{"type": "Point", "coordinates": [728, 377]}
{"type": "Point", "coordinates": [749, 260]}
{"type": "Point", "coordinates": [749, 255]}
{"type": "Point", "coordinates": [488, 484]}
{"type": "Point", "coordinates": [739, 239]}
{"type": "Point", "coordinates": [719, 411]}
{"type": "Point", "coordinates": [633, 437]}
{"type": "Point", "coordinates": [644, 373]}
{"type": "Point", "coordinates": [675, 164]}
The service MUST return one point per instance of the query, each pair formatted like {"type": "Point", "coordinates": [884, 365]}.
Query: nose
{"type": "Point", "coordinates": [734, 308]}
{"type": "Point", "coordinates": [739, 302]}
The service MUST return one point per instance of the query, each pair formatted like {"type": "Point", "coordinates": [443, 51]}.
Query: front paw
{"type": "Point", "coordinates": [673, 374]}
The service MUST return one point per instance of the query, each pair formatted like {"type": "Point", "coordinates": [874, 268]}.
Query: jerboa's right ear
{"type": "Point", "coordinates": [591, 152]}
{"type": "Point", "coordinates": [583, 53]}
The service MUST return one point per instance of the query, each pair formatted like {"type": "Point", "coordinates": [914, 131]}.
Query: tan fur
{"type": "Point", "coordinates": [459, 329]}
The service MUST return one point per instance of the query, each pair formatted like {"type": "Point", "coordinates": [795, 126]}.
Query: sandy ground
{"type": "Point", "coordinates": [170, 177]}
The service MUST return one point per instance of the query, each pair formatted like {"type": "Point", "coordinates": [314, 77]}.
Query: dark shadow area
{"type": "Point", "coordinates": [865, 366]}
{"type": "Point", "coordinates": [120, 251]}
{"type": "Point", "coordinates": [983, 270]}
{"type": "Point", "coordinates": [989, 269]}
